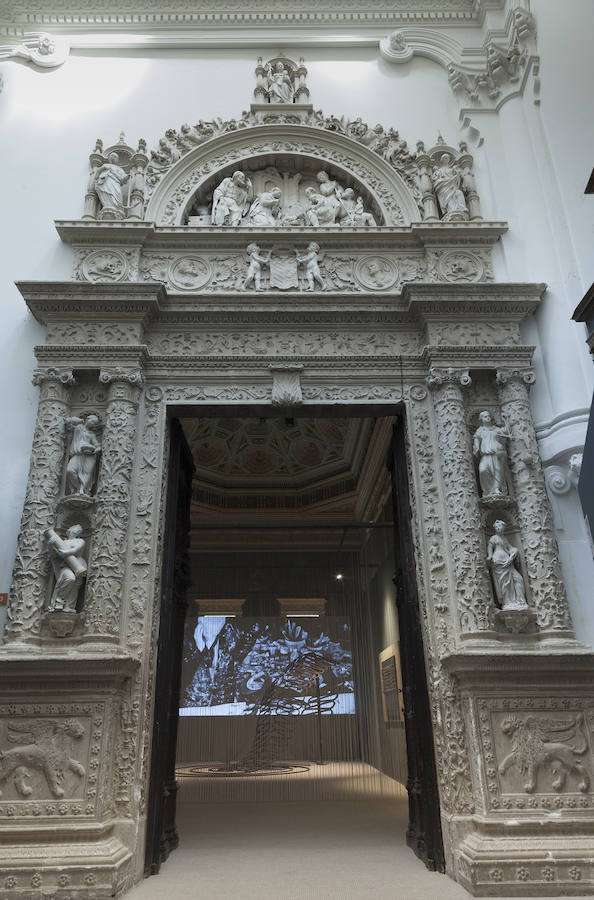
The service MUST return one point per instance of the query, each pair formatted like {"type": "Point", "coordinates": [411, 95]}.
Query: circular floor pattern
{"type": "Point", "coordinates": [214, 770]}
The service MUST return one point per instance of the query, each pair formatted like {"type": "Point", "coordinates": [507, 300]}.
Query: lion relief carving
{"type": "Point", "coordinates": [44, 745]}
{"type": "Point", "coordinates": [538, 742]}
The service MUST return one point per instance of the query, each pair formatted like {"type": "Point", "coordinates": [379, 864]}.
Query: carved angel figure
{"type": "Point", "coordinates": [312, 267]}
{"type": "Point", "coordinates": [509, 584]}
{"type": "Point", "coordinates": [83, 451]}
{"type": "Point", "coordinates": [108, 184]}
{"type": "Point", "coordinates": [279, 84]}
{"type": "Point", "coordinates": [489, 444]}
{"type": "Point", "coordinates": [231, 199]}
{"type": "Point", "coordinates": [266, 208]}
{"type": "Point", "coordinates": [69, 567]}
{"type": "Point", "coordinates": [45, 745]}
{"type": "Point", "coordinates": [446, 181]}
{"type": "Point", "coordinates": [254, 272]}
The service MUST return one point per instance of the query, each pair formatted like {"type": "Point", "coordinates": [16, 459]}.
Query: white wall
{"type": "Point", "coordinates": [49, 121]}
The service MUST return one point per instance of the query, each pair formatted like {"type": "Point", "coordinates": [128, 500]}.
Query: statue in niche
{"type": "Point", "coordinates": [447, 180]}
{"type": "Point", "coordinates": [254, 272]}
{"type": "Point", "coordinates": [265, 209]}
{"type": "Point", "coordinates": [108, 184]}
{"type": "Point", "coordinates": [508, 582]}
{"type": "Point", "coordinates": [278, 83]}
{"type": "Point", "coordinates": [489, 445]}
{"type": "Point", "coordinates": [83, 452]}
{"type": "Point", "coordinates": [69, 567]}
{"type": "Point", "coordinates": [312, 267]}
{"type": "Point", "coordinates": [231, 199]}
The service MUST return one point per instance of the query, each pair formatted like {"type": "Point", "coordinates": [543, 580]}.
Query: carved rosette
{"type": "Point", "coordinates": [534, 512]}
{"type": "Point", "coordinates": [475, 607]}
{"type": "Point", "coordinates": [107, 556]}
{"type": "Point", "coordinates": [32, 565]}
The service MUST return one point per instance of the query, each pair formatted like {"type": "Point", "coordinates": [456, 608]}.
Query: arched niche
{"type": "Point", "coordinates": [295, 147]}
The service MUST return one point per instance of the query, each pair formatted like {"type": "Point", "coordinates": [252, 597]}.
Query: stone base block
{"type": "Point", "coordinates": [527, 865]}
{"type": "Point", "coordinates": [95, 869]}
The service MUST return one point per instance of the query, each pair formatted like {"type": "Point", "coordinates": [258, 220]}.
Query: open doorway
{"type": "Point", "coordinates": [291, 664]}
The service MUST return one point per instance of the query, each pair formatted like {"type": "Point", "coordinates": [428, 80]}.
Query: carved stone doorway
{"type": "Point", "coordinates": [230, 470]}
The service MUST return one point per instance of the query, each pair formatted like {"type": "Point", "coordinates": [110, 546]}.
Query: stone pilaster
{"type": "Point", "coordinates": [535, 516]}
{"type": "Point", "coordinates": [32, 565]}
{"type": "Point", "coordinates": [107, 556]}
{"type": "Point", "coordinates": [473, 591]}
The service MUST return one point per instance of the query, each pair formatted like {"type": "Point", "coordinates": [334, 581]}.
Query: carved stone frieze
{"type": "Point", "coordinates": [106, 264]}
{"type": "Point", "coordinates": [93, 333]}
{"type": "Point", "coordinates": [458, 265]}
{"type": "Point", "coordinates": [283, 343]}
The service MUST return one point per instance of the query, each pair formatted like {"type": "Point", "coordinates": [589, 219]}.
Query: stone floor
{"type": "Point", "coordinates": [311, 849]}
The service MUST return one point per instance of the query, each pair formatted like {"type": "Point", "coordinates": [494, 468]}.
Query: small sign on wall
{"type": "Point", "coordinates": [3, 599]}
{"type": "Point", "coordinates": [391, 683]}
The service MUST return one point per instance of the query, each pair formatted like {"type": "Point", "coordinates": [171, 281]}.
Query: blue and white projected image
{"type": "Point", "coordinates": [232, 664]}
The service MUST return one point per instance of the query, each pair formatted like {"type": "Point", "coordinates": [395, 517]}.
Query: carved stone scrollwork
{"type": "Point", "coordinates": [109, 542]}
{"type": "Point", "coordinates": [31, 567]}
{"type": "Point", "coordinates": [475, 609]}
{"type": "Point", "coordinates": [534, 512]}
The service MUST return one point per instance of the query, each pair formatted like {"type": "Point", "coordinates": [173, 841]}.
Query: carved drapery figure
{"type": "Point", "coordinates": [312, 267]}
{"type": "Point", "coordinates": [231, 199]}
{"type": "Point", "coordinates": [333, 192]}
{"type": "Point", "coordinates": [320, 211]}
{"type": "Point", "coordinates": [446, 181]}
{"type": "Point", "coordinates": [108, 184]}
{"type": "Point", "coordinates": [69, 567]}
{"type": "Point", "coordinates": [279, 84]}
{"type": "Point", "coordinates": [489, 444]}
{"type": "Point", "coordinates": [508, 582]}
{"type": "Point", "coordinates": [359, 216]}
{"type": "Point", "coordinates": [83, 451]}
{"type": "Point", "coordinates": [254, 272]}
{"type": "Point", "coordinates": [265, 209]}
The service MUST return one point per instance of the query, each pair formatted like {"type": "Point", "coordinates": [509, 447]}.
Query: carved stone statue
{"type": "Point", "coordinates": [84, 448]}
{"type": "Point", "coordinates": [320, 210]}
{"type": "Point", "coordinates": [254, 272]}
{"type": "Point", "coordinates": [108, 184]}
{"type": "Point", "coordinates": [508, 582]}
{"type": "Point", "coordinates": [69, 567]}
{"type": "Point", "coordinates": [489, 445]}
{"type": "Point", "coordinates": [447, 181]}
{"type": "Point", "coordinates": [332, 191]}
{"type": "Point", "coordinates": [359, 216]}
{"type": "Point", "coordinates": [278, 82]}
{"type": "Point", "coordinates": [231, 199]}
{"type": "Point", "coordinates": [312, 267]}
{"type": "Point", "coordinates": [266, 208]}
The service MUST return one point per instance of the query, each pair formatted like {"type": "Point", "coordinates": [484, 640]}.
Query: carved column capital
{"type": "Point", "coordinates": [54, 383]}
{"type": "Point", "coordinates": [123, 384]}
{"type": "Point", "coordinates": [522, 376]}
{"type": "Point", "coordinates": [439, 377]}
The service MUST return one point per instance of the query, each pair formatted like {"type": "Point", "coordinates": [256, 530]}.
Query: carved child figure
{"type": "Point", "coordinates": [254, 272]}
{"type": "Point", "coordinates": [312, 268]}
{"type": "Point", "coordinates": [69, 567]}
{"type": "Point", "coordinates": [84, 448]}
{"type": "Point", "coordinates": [508, 582]}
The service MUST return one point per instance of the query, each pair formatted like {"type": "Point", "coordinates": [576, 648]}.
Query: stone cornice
{"type": "Point", "coordinates": [79, 300]}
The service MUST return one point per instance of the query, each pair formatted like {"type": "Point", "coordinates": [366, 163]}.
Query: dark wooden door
{"type": "Point", "coordinates": [424, 828]}
{"type": "Point", "coordinates": [162, 836]}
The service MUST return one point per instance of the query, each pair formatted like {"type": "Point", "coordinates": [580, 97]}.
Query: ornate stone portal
{"type": "Point", "coordinates": [400, 309]}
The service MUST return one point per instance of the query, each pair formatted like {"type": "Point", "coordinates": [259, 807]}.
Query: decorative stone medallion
{"type": "Point", "coordinates": [189, 273]}
{"type": "Point", "coordinates": [105, 265]}
{"type": "Point", "coordinates": [376, 273]}
{"type": "Point", "coordinates": [460, 266]}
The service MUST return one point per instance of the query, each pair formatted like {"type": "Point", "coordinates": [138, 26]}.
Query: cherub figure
{"type": "Point", "coordinates": [312, 267]}
{"type": "Point", "coordinates": [254, 272]}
